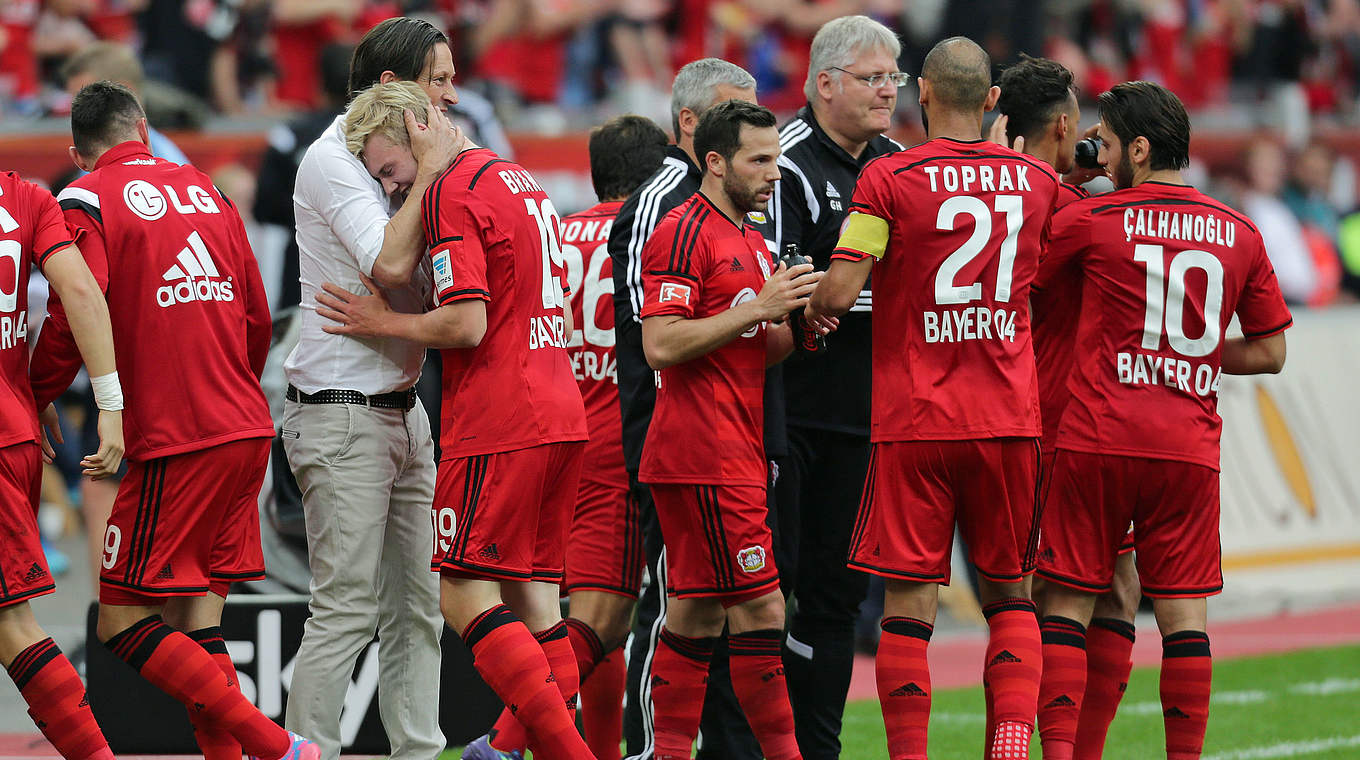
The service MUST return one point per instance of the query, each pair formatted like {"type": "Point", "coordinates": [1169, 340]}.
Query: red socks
{"type": "Point", "coordinates": [513, 664]}
{"type": "Point", "coordinates": [1062, 686]}
{"type": "Point", "coordinates": [1014, 662]}
{"type": "Point", "coordinates": [679, 679]}
{"type": "Point", "coordinates": [508, 734]}
{"type": "Point", "coordinates": [215, 743]}
{"type": "Point", "coordinates": [57, 703]}
{"type": "Point", "coordinates": [586, 644]}
{"type": "Point", "coordinates": [903, 676]}
{"type": "Point", "coordinates": [1187, 671]}
{"type": "Point", "coordinates": [178, 666]}
{"type": "Point", "coordinates": [602, 704]}
{"type": "Point", "coordinates": [1109, 647]}
{"type": "Point", "coordinates": [758, 681]}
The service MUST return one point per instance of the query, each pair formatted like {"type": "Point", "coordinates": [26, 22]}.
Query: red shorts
{"type": "Point", "coordinates": [1174, 506]}
{"type": "Point", "coordinates": [915, 493]}
{"type": "Point", "coordinates": [504, 516]}
{"type": "Point", "coordinates": [604, 552]}
{"type": "Point", "coordinates": [23, 566]}
{"type": "Point", "coordinates": [717, 541]}
{"type": "Point", "coordinates": [1045, 475]}
{"type": "Point", "coordinates": [185, 524]}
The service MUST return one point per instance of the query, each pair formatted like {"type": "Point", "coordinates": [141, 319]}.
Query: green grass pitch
{"type": "Point", "coordinates": [1304, 704]}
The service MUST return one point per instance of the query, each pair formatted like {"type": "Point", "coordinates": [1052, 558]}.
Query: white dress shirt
{"type": "Point", "coordinates": [341, 218]}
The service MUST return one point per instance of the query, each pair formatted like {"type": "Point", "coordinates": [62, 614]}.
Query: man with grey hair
{"type": "Point", "coordinates": [851, 89]}
{"type": "Point", "coordinates": [698, 86]}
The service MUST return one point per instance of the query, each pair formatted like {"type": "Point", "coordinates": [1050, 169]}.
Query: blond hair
{"type": "Point", "coordinates": [379, 111]}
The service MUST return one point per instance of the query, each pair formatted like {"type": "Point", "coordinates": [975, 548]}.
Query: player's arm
{"type": "Point", "coordinates": [670, 339]}
{"type": "Point", "coordinates": [56, 357]}
{"type": "Point", "coordinates": [1262, 356]}
{"type": "Point", "coordinates": [778, 343]}
{"type": "Point", "coordinates": [87, 313]}
{"type": "Point", "coordinates": [864, 239]}
{"type": "Point", "coordinates": [457, 324]}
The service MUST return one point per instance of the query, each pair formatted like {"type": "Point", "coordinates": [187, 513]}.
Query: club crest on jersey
{"type": "Point", "coordinates": [764, 265]}
{"type": "Point", "coordinates": [673, 291]}
{"type": "Point", "coordinates": [756, 217]}
{"type": "Point", "coordinates": [751, 559]}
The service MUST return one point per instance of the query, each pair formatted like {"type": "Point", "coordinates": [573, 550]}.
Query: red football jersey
{"type": "Point", "coordinates": [952, 354]}
{"type": "Point", "coordinates": [1164, 268]}
{"type": "Point", "coordinates": [191, 324]}
{"type": "Point", "coordinates": [590, 274]}
{"type": "Point", "coordinates": [31, 230]}
{"type": "Point", "coordinates": [1054, 313]}
{"type": "Point", "coordinates": [709, 418]}
{"type": "Point", "coordinates": [494, 235]}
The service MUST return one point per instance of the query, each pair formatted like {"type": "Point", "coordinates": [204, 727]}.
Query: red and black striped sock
{"type": "Point", "coordinates": [509, 734]}
{"type": "Point", "coordinates": [903, 675]}
{"type": "Point", "coordinates": [513, 664]}
{"type": "Point", "coordinates": [758, 681]}
{"type": "Point", "coordinates": [1187, 673]}
{"type": "Point", "coordinates": [602, 705]}
{"type": "Point", "coordinates": [1062, 685]}
{"type": "Point", "coordinates": [1014, 662]}
{"type": "Point", "coordinates": [1109, 647]}
{"type": "Point", "coordinates": [178, 666]}
{"type": "Point", "coordinates": [679, 680]}
{"type": "Point", "coordinates": [215, 743]}
{"type": "Point", "coordinates": [586, 644]}
{"type": "Point", "coordinates": [56, 702]}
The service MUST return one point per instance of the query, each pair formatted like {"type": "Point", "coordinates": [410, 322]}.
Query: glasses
{"type": "Point", "coordinates": [898, 78]}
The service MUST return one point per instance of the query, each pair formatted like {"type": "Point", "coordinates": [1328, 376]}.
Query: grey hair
{"type": "Point", "coordinates": [840, 41]}
{"type": "Point", "coordinates": [694, 85]}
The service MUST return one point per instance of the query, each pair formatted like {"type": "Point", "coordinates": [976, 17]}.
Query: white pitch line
{"type": "Point", "coordinates": [1288, 749]}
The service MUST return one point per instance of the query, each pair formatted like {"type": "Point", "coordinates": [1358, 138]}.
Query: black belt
{"type": "Point", "coordinates": [395, 400]}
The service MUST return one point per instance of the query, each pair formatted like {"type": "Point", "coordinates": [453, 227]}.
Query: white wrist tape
{"type": "Point", "coordinates": [108, 392]}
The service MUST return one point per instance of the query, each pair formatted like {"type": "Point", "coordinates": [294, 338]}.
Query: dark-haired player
{"type": "Point", "coordinates": [709, 291]}
{"type": "Point", "coordinates": [33, 233]}
{"type": "Point", "coordinates": [1164, 269]}
{"type": "Point", "coordinates": [952, 229]}
{"type": "Point", "coordinates": [604, 555]}
{"type": "Point", "coordinates": [1039, 115]}
{"type": "Point", "coordinates": [171, 255]}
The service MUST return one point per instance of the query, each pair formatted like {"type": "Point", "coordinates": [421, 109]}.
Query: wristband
{"type": "Point", "coordinates": [108, 392]}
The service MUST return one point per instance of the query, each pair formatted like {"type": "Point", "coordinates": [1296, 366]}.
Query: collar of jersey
{"type": "Point", "coordinates": [123, 151]}
{"type": "Point", "coordinates": [741, 228]}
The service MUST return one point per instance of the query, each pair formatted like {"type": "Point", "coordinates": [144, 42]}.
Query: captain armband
{"type": "Point", "coordinates": [865, 233]}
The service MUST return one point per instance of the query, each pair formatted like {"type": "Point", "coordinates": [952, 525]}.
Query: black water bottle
{"type": "Point", "coordinates": [806, 339]}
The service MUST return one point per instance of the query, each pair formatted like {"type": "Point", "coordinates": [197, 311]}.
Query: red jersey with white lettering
{"type": "Point", "coordinates": [31, 230]}
{"type": "Point", "coordinates": [709, 418]}
{"type": "Point", "coordinates": [1054, 312]}
{"type": "Point", "coordinates": [590, 272]}
{"type": "Point", "coordinates": [1164, 268]}
{"type": "Point", "coordinates": [952, 355]}
{"type": "Point", "coordinates": [191, 324]}
{"type": "Point", "coordinates": [494, 236]}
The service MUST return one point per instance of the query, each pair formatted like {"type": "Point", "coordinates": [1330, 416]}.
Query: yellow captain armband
{"type": "Point", "coordinates": [865, 233]}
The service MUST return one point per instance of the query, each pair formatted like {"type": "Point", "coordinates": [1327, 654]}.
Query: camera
{"type": "Point", "coordinates": [1087, 150]}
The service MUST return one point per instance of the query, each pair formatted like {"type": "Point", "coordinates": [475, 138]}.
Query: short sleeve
{"type": "Point", "coordinates": [1069, 233]}
{"type": "Point", "coordinates": [866, 236]}
{"type": "Point", "coordinates": [670, 284]}
{"type": "Point", "coordinates": [457, 249]}
{"type": "Point", "coordinates": [1261, 310]}
{"type": "Point", "coordinates": [49, 227]}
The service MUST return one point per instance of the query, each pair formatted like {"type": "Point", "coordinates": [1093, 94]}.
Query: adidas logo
{"type": "Point", "coordinates": [908, 690]}
{"type": "Point", "coordinates": [514, 708]}
{"type": "Point", "coordinates": [489, 552]}
{"type": "Point", "coordinates": [659, 681]}
{"type": "Point", "coordinates": [197, 275]}
{"type": "Point", "coordinates": [773, 674]}
{"type": "Point", "coordinates": [1123, 686]}
{"type": "Point", "coordinates": [1175, 712]}
{"type": "Point", "coordinates": [1062, 701]}
{"type": "Point", "coordinates": [552, 678]}
{"type": "Point", "coordinates": [1047, 554]}
{"type": "Point", "coordinates": [166, 573]}
{"type": "Point", "coordinates": [831, 191]}
{"type": "Point", "coordinates": [736, 265]}
{"type": "Point", "coordinates": [84, 701]}
{"type": "Point", "coordinates": [1004, 656]}
{"type": "Point", "coordinates": [35, 573]}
